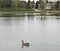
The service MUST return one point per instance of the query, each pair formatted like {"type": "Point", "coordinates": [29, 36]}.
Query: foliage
{"type": "Point", "coordinates": [16, 2]}
{"type": "Point", "coordinates": [42, 4]}
{"type": "Point", "coordinates": [57, 5]}
{"type": "Point", "coordinates": [6, 3]}
{"type": "Point", "coordinates": [37, 4]}
{"type": "Point", "coordinates": [28, 4]}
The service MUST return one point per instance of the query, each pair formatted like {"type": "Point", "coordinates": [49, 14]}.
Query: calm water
{"type": "Point", "coordinates": [42, 34]}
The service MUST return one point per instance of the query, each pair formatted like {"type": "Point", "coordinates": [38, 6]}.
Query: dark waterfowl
{"type": "Point", "coordinates": [24, 44]}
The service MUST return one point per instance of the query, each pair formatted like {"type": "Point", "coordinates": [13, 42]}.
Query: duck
{"type": "Point", "coordinates": [24, 44]}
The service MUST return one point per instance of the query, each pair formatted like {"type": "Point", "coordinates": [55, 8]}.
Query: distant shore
{"type": "Point", "coordinates": [25, 10]}
{"type": "Point", "coordinates": [54, 12]}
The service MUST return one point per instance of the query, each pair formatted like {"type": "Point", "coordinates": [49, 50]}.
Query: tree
{"type": "Point", "coordinates": [0, 3]}
{"type": "Point", "coordinates": [16, 2]}
{"type": "Point", "coordinates": [33, 4]}
{"type": "Point", "coordinates": [57, 5]}
{"type": "Point", "coordinates": [6, 3]}
{"type": "Point", "coordinates": [28, 4]}
{"type": "Point", "coordinates": [42, 4]}
{"type": "Point", "coordinates": [37, 4]}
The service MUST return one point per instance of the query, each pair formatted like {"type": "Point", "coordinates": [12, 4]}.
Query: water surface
{"type": "Point", "coordinates": [42, 34]}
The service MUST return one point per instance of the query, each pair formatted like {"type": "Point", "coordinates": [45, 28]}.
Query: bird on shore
{"type": "Point", "coordinates": [24, 44]}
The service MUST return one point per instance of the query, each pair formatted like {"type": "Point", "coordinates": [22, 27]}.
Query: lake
{"type": "Point", "coordinates": [43, 34]}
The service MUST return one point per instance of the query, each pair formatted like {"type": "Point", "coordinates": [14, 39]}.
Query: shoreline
{"type": "Point", "coordinates": [52, 12]}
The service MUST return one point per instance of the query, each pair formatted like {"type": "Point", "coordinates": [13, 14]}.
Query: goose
{"type": "Point", "coordinates": [24, 44]}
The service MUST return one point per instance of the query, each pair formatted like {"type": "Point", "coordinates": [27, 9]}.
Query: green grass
{"type": "Point", "coordinates": [15, 9]}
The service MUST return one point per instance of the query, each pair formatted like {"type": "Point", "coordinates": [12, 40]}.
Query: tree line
{"type": "Point", "coordinates": [9, 3]}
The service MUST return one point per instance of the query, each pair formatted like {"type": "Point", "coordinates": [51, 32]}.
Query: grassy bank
{"type": "Point", "coordinates": [15, 9]}
{"type": "Point", "coordinates": [22, 10]}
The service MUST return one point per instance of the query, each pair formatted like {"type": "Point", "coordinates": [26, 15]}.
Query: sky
{"type": "Point", "coordinates": [38, 0]}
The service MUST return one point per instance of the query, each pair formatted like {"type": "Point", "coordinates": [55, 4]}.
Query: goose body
{"type": "Point", "coordinates": [26, 44]}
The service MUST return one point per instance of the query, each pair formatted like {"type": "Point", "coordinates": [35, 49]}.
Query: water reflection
{"type": "Point", "coordinates": [7, 21]}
